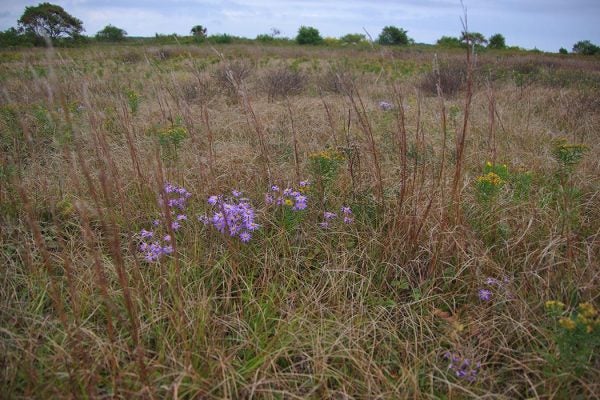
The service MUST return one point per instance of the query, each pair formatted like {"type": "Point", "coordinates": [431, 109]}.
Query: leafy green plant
{"type": "Point", "coordinates": [134, 101]}
{"type": "Point", "coordinates": [170, 140]}
{"type": "Point", "coordinates": [576, 334]}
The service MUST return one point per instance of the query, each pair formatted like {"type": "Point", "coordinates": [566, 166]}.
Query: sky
{"type": "Point", "coordinates": [543, 24]}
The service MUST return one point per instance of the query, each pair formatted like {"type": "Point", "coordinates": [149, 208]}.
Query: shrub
{"type": "Point", "coordinates": [449, 42]}
{"type": "Point", "coordinates": [497, 41]}
{"type": "Point", "coordinates": [308, 35]}
{"type": "Point", "coordinates": [451, 78]}
{"type": "Point", "coordinates": [231, 74]}
{"type": "Point", "coordinates": [586, 47]}
{"type": "Point", "coordinates": [390, 35]}
{"type": "Point", "coordinates": [221, 39]}
{"type": "Point", "coordinates": [283, 82]}
{"type": "Point", "coordinates": [353, 38]}
{"type": "Point", "coordinates": [111, 34]}
{"type": "Point", "coordinates": [562, 50]}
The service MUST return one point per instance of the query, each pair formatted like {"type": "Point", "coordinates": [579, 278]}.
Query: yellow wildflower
{"type": "Point", "coordinates": [288, 202]}
{"type": "Point", "coordinates": [491, 178]}
{"type": "Point", "coordinates": [567, 323]}
{"type": "Point", "coordinates": [555, 305]}
{"type": "Point", "coordinates": [587, 310]}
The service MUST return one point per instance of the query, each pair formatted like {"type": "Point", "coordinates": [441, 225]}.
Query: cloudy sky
{"type": "Point", "coordinates": [545, 24]}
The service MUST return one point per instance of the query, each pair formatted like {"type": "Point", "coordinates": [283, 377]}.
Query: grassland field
{"type": "Point", "coordinates": [285, 222]}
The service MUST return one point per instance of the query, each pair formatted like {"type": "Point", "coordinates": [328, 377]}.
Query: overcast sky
{"type": "Point", "coordinates": [545, 24]}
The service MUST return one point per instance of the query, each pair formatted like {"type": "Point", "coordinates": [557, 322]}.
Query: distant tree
{"type": "Point", "coordinates": [198, 31]}
{"type": "Point", "coordinates": [586, 47]}
{"type": "Point", "coordinates": [475, 38]}
{"type": "Point", "coordinates": [308, 35]}
{"type": "Point", "coordinates": [353, 38]}
{"type": "Point", "coordinates": [497, 41]}
{"type": "Point", "coordinates": [562, 50]}
{"type": "Point", "coordinates": [449, 41]}
{"type": "Point", "coordinates": [111, 33]}
{"type": "Point", "coordinates": [390, 35]}
{"type": "Point", "coordinates": [50, 20]}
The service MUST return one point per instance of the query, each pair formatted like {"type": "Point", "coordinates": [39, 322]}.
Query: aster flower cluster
{"type": "Point", "coordinates": [234, 216]}
{"type": "Point", "coordinates": [463, 368]}
{"type": "Point", "coordinates": [495, 287]}
{"type": "Point", "coordinates": [296, 199]}
{"type": "Point", "coordinates": [330, 217]}
{"type": "Point", "coordinates": [153, 243]}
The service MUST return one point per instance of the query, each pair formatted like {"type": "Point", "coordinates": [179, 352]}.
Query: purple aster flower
{"type": "Point", "coordinates": [181, 217]}
{"type": "Point", "coordinates": [245, 237]}
{"type": "Point", "coordinates": [275, 188]}
{"type": "Point", "coordinates": [146, 234]}
{"type": "Point", "coordinates": [346, 210]}
{"type": "Point", "coordinates": [485, 294]}
{"type": "Point", "coordinates": [175, 225]}
{"type": "Point", "coordinates": [348, 220]}
{"type": "Point", "coordinates": [304, 183]}
{"type": "Point", "coordinates": [156, 222]}
{"type": "Point", "coordinates": [213, 200]}
{"type": "Point", "coordinates": [204, 219]}
{"type": "Point", "coordinates": [324, 224]}
{"type": "Point", "coordinates": [167, 238]}
{"type": "Point", "coordinates": [167, 249]}
{"type": "Point", "coordinates": [329, 215]}
{"type": "Point", "coordinates": [236, 193]}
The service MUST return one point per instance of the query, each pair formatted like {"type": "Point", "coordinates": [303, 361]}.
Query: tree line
{"type": "Point", "coordinates": [48, 22]}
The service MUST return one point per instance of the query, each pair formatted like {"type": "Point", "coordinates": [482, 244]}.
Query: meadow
{"type": "Point", "coordinates": [254, 221]}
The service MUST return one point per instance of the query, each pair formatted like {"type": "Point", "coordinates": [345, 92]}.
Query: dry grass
{"type": "Point", "coordinates": [357, 311]}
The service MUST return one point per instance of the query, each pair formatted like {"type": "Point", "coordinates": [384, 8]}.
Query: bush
{"type": "Point", "coordinates": [390, 35]}
{"type": "Point", "coordinates": [283, 82]}
{"type": "Point", "coordinates": [586, 47]}
{"type": "Point", "coordinates": [308, 35]}
{"type": "Point", "coordinates": [221, 39]}
{"type": "Point", "coordinates": [353, 38]}
{"type": "Point", "coordinates": [449, 42]}
{"type": "Point", "coordinates": [562, 50]}
{"type": "Point", "coordinates": [497, 41]}
{"type": "Point", "coordinates": [451, 77]}
{"type": "Point", "coordinates": [231, 74]}
{"type": "Point", "coordinates": [111, 34]}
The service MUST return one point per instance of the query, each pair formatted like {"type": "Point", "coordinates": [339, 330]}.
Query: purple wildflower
{"type": "Point", "coordinates": [485, 295]}
{"type": "Point", "coordinates": [236, 193]}
{"type": "Point", "coordinates": [385, 106]}
{"type": "Point", "coordinates": [175, 225]}
{"type": "Point", "coordinates": [213, 200]}
{"type": "Point", "coordinates": [181, 217]}
{"type": "Point", "coordinates": [245, 237]}
{"type": "Point", "coordinates": [146, 234]}
{"type": "Point", "coordinates": [329, 215]}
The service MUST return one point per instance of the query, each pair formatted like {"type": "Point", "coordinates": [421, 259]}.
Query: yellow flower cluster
{"type": "Point", "coordinates": [492, 178]}
{"type": "Point", "coordinates": [564, 145]}
{"type": "Point", "coordinates": [587, 316]}
{"type": "Point", "coordinates": [567, 323]}
{"type": "Point", "coordinates": [553, 305]}
{"type": "Point", "coordinates": [328, 155]}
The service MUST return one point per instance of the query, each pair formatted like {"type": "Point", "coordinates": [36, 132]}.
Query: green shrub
{"type": "Point", "coordinates": [308, 35]}
{"type": "Point", "coordinates": [391, 35]}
